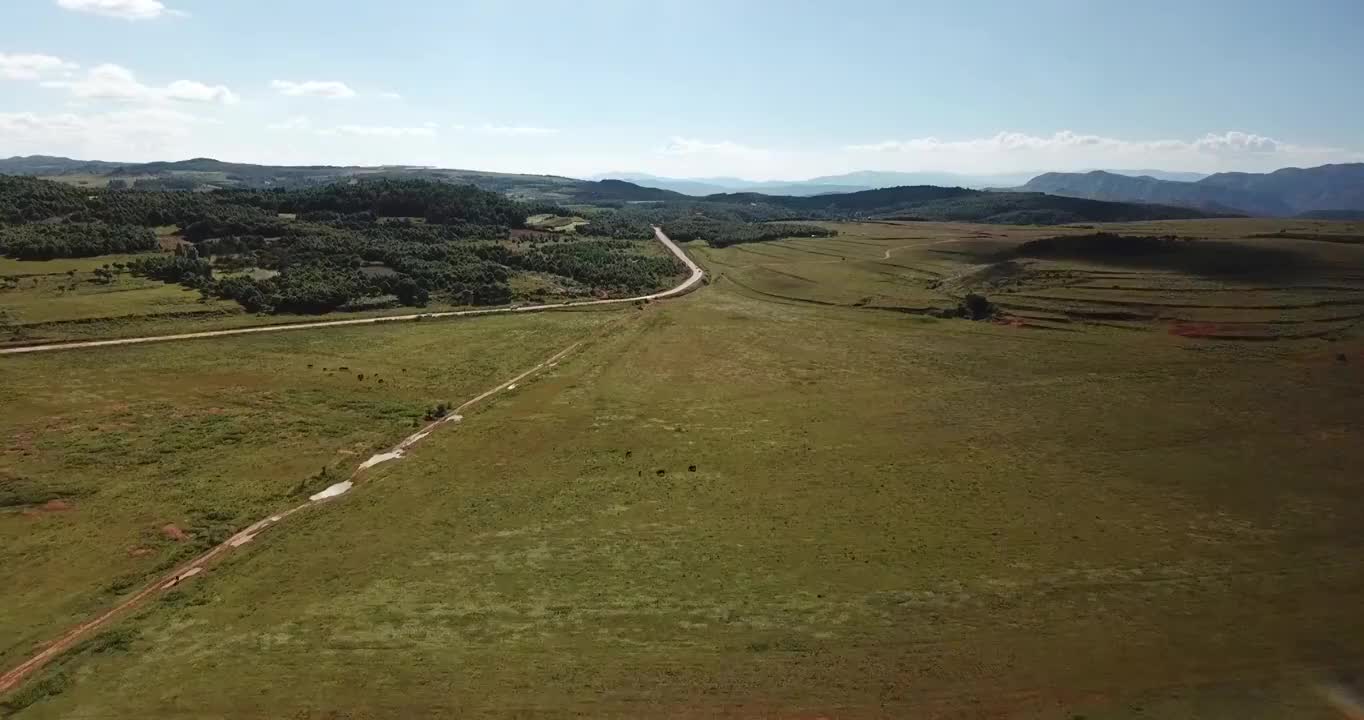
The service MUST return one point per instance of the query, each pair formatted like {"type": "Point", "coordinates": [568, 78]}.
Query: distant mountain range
{"type": "Point", "coordinates": [209, 174]}
{"type": "Point", "coordinates": [1335, 191]}
{"type": "Point", "coordinates": [699, 187]}
{"type": "Point", "coordinates": [911, 202]}
{"type": "Point", "coordinates": [823, 185]}
{"type": "Point", "coordinates": [1325, 191]}
{"type": "Point", "coordinates": [850, 182]}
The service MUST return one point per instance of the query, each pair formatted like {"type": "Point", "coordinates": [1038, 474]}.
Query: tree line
{"type": "Point", "coordinates": [717, 224]}
{"type": "Point", "coordinates": [69, 240]}
{"type": "Point", "coordinates": [25, 200]}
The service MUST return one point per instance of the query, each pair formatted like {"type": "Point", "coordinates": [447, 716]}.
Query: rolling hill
{"type": "Point", "coordinates": [930, 202]}
{"type": "Point", "coordinates": [853, 181]}
{"type": "Point", "coordinates": [700, 187]}
{"type": "Point", "coordinates": [1282, 193]}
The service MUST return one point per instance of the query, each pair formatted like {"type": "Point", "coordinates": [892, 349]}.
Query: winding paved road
{"type": "Point", "coordinates": [688, 284]}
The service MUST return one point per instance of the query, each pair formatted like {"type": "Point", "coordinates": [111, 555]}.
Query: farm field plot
{"type": "Point", "coordinates": [741, 505]}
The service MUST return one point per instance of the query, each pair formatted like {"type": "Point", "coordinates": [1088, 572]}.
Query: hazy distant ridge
{"type": "Point", "coordinates": [1286, 192]}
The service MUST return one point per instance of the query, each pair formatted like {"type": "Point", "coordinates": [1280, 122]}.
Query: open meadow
{"type": "Point", "coordinates": [115, 466]}
{"type": "Point", "coordinates": [801, 491]}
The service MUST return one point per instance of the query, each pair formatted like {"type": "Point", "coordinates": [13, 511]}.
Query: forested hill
{"type": "Point", "coordinates": [880, 200]}
{"type": "Point", "coordinates": [352, 245]}
{"type": "Point", "coordinates": [926, 201]}
{"type": "Point", "coordinates": [929, 202]}
{"type": "Point", "coordinates": [25, 199]}
{"type": "Point", "coordinates": [209, 174]}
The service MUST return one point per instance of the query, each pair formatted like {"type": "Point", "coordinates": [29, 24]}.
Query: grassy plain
{"type": "Point", "coordinates": [765, 499]}
{"type": "Point", "coordinates": [208, 436]}
{"type": "Point", "coordinates": [920, 267]}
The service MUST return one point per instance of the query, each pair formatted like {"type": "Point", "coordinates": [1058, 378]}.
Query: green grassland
{"type": "Point", "coordinates": [790, 494]}
{"type": "Point", "coordinates": [919, 267]}
{"type": "Point", "coordinates": [209, 436]}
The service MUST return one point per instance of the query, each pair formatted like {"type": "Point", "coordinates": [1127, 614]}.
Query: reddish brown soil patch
{"type": "Point", "coordinates": [51, 506]}
{"type": "Point", "coordinates": [22, 442]}
{"type": "Point", "coordinates": [174, 533]}
{"type": "Point", "coordinates": [1194, 330]}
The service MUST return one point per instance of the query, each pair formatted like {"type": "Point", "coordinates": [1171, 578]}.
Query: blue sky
{"type": "Point", "coordinates": [756, 88]}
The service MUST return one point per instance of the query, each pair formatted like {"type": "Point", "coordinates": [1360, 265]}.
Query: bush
{"type": "Point", "coordinates": [437, 412]}
{"type": "Point", "coordinates": [976, 307]}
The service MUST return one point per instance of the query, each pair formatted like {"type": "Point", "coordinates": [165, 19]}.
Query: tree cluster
{"type": "Point", "coordinates": [335, 246]}
{"type": "Point", "coordinates": [69, 240]}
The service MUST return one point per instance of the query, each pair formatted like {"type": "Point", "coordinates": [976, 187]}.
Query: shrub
{"type": "Point", "coordinates": [976, 307]}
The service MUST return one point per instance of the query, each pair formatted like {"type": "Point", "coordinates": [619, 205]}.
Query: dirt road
{"type": "Point", "coordinates": [192, 568]}
{"type": "Point", "coordinates": [695, 277]}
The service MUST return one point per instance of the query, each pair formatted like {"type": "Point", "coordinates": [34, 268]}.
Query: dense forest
{"type": "Point", "coordinates": [45, 242]}
{"type": "Point", "coordinates": [319, 249]}
{"type": "Point", "coordinates": [718, 224]}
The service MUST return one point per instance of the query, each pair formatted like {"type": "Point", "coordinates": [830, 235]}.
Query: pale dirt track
{"type": "Point", "coordinates": [187, 570]}
{"type": "Point", "coordinates": [688, 284]}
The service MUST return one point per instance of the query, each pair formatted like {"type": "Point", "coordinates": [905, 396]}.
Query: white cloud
{"type": "Point", "coordinates": [330, 89]}
{"type": "Point", "coordinates": [296, 122]}
{"type": "Point", "coordinates": [32, 67]}
{"type": "Point", "coordinates": [382, 131]}
{"type": "Point", "coordinates": [112, 135]}
{"type": "Point", "coordinates": [125, 9]}
{"type": "Point", "coordinates": [1068, 150]}
{"type": "Point", "coordinates": [691, 146]}
{"type": "Point", "coordinates": [190, 91]}
{"type": "Point", "coordinates": [112, 82]}
{"type": "Point", "coordinates": [1239, 142]}
{"type": "Point", "coordinates": [1066, 140]}
{"type": "Point", "coordinates": [514, 130]}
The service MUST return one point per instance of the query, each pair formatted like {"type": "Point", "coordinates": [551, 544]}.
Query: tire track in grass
{"type": "Point", "coordinates": [195, 566]}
